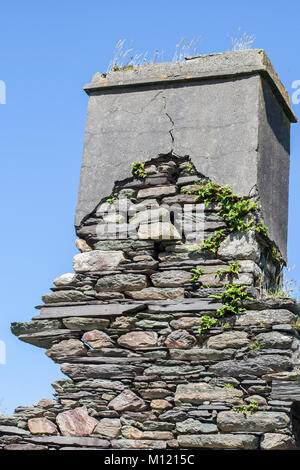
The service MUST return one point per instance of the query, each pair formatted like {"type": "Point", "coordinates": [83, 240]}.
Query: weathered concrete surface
{"type": "Point", "coordinates": [229, 112]}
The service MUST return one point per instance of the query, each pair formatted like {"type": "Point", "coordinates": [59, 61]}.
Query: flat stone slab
{"type": "Point", "coordinates": [219, 441]}
{"type": "Point", "coordinates": [14, 430]}
{"type": "Point", "coordinates": [70, 441]}
{"type": "Point", "coordinates": [187, 306]}
{"type": "Point", "coordinates": [100, 310]}
{"type": "Point", "coordinates": [286, 390]}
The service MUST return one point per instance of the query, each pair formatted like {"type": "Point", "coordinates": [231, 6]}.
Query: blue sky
{"type": "Point", "coordinates": [49, 50]}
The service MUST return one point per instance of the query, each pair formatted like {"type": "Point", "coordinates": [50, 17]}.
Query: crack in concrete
{"type": "Point", "coordinates": [171, 121]}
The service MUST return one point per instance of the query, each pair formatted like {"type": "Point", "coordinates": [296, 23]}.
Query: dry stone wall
{"type": "Point", "coordinates": [152, 360]}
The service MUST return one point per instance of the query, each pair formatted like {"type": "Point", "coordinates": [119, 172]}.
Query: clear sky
{"type": "Point", "coordinates": [49, 50]}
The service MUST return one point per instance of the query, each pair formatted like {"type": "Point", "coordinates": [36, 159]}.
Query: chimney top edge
{"type": "Point", "coordinates": [196, 68]}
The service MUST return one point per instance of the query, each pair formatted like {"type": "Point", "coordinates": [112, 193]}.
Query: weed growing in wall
{"type": "Point", "coordinates": [138, 169]}
{"type": "Point", "coordinates": [239, 213]}
{"type": "Point", "coordinates": [232, 298]}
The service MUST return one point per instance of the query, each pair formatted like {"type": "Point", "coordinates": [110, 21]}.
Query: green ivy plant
{"type": "Point", "coordinates": [228, 385]}
{"type": "Point", "coordinates": [255, 346]}
{"type": "Point", "coordinates": [232, 270]}
{"type": "Point", "coordinates": [252, 407]}
{"type": "Point", "coordinates": [196, 274]}
{"type": "Point", "coordinates": [138, 169]}
{"type": "Point", "coordinates": [237, 212]}
{"type": "Point", "coordinates": [207, 322]}
{"type": "Point", "coordinates": [232, 298]}
{"type": "Point", "coordinates": [110, 200]}
{"type": "Point", "coordinates": [213, 242]}
{"type": "Point", "coordinates": [261, 228]}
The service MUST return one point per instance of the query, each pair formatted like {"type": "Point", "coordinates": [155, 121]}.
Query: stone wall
{"type": "Point", "coordinates": [153, 360]}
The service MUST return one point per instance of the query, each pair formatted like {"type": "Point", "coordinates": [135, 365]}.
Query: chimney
{"type": "Point", "coordinates": [228, 112]}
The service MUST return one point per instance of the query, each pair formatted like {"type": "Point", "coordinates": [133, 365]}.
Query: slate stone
{"type": "Point", "coordinates": [85, 324]}
{"type": "Point", "coordinates": [65, 348]}
{"type": "Point", "coordinates": [13, 430]}
{"type": "Point", "coordinates": [154, 214]}
{"type": "Point", "coordinates": [66, 279]}
{"type": "Point", "coordinates": [101, 384]}
{"type": "Point", "coordinates": [138, 444]}
{"type": "Point", "coordinates": [230, 339]}
{"type": "Point", "coordinates": [285, 390]}
{"type": "Point", "coordinates": [45, 339]}
{"type": "Point", "coordinates": [154, 393]}
{"type": "Point", "coordinates": [180, 339]}
{"type": "Point", "coordinates": [187, 306]}
{"type": "Point", "coordinates": [171, 278]}
{"type": "Point", "coordinates": [173, 370]}
{"type": "Point", "coordinates": [156, 293]}
{"type": "Point", "coordinates": [160, 404]}
{"type": "Point", "coordinates": [173, 416]}
{"type": "Point", "coordinates": [97, 260]}
{"type": "Point", "coordinates": [265, 317]}
{"type": "Point", "coordinates": [277, 441]}
{"type": "Point", "coordinates": [198, 393]}
{"type": "Point", "coordinates": [259, 421]}
{"type": "Point", "coordinates": [201, 354]}
{"type": "Point", "coordinates": [127, 401]}
{"type": "Point", "coordinates": [186, 323]}
{"type": "Point", "coordinates": [9, 420]}
{"type": "Point", "coordinates": [70, 441]}
{"type": "Point", "coordinates": [122, 282]}
{"type": "Point", "coordinates": [241, 245]}
{"type": "Point", "coordinates": [274, 339]}
{"type": "Point", "coordinates": [192, 426]}
{"type": "Point", "coordinates": [64, 296]}
{"type": "Point", "coordinates": [100, 310]}
{"type": "Point", "coordinates": [130, 432]}
{"type": "Point", "coordinates": [158, 191]}
{"type": "Point", "coordinates": [138, 416]}
{"type": "Point", "coordinates": [219, 441]}
{"type": "Point", "coordinates": [28, 447]}
{"type": "Point", "coordinates": [124, 323]}
{"type": "Point", "coordinates": [158, 231]}
{"type": "Point", "coordinates": [82, 245]}
{"type": "Point", "coordinates": [108, 427]}
{"type": "Point", "coordinates": [86, 371]}
{"type": "Point", "coordinates": [138, 339]}
{"type": "Point", "coordinates": [97, 339]}
{"type": "Point", "coordinates": [21, 328]}
{"type": "Point", "coordinates": [258, 366]}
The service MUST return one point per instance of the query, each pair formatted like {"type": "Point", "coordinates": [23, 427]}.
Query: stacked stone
{"type": "Point", "coordinates": [145, 241]}
{"type": "Point", "coordinates": [125, 330]}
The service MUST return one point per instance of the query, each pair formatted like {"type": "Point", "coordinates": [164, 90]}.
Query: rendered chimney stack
{"type": "Point", "coordinates": [228, 112]}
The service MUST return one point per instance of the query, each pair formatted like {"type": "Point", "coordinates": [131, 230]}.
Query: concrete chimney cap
{"type": "Point", "coordinates": [196, 68]}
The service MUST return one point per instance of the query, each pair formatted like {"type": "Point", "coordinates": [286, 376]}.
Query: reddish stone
{"type": "Point", "coordinates": [76, 422]}
{"type": "Point", "coordinates": [97, 339]}
{"type": "Point", "coordinates": [42, 426]}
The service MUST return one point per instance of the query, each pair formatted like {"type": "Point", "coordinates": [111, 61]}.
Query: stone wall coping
{"type": "Point", "coordinates": [203, 67]}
